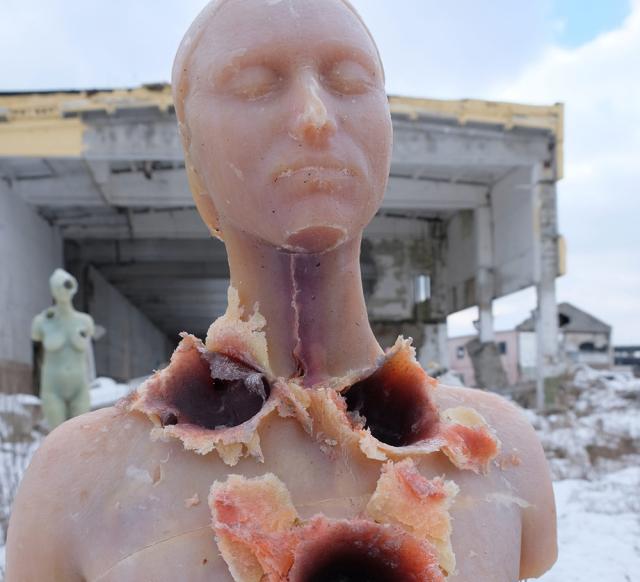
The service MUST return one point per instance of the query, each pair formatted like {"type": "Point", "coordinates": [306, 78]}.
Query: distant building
{"type": "Point", "coordinates": [584, 339]}
{"type": "Point", "coordinates": [511, 356]}
{"type": "Point", "coordinates": [628, 356]}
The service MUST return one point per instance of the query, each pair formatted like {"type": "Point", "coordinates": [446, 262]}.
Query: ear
{"type": "Point", "coordinates": [204, 202]}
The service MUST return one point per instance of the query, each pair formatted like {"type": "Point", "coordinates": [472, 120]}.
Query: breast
{"type": "Point", "coordinates": [54, 340]}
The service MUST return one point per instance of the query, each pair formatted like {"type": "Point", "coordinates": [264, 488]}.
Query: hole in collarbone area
{"type": "Point", "coordinates": [394, 405]}
{"type": "Point", "coordinates": [214, 391]}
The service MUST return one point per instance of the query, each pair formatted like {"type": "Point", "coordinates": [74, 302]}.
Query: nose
{"type": "Point", "coordinates": [313, 123]}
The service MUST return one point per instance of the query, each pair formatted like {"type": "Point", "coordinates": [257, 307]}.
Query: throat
{"type": "Point", "coordinates": [317, 325]}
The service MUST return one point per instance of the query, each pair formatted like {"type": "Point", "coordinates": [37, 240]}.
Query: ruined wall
{"type": "Point", "coordinates": [30, 250]}
{"type": "Point", "coordinates": [394, 252]}
{"type": "Point", "coordinates": [461, 261]}
{"type": "Point", "coordinates": [133, 346]}
{"type": "Point", "coordinates": [510, 356]}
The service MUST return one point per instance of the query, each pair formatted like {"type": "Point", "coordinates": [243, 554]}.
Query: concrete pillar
{"type": "Point", "coordinates": [484, 273]}
{"type": "Point", "coordinates": [547, 309]}
{"type": "Point", "coordinates": [434, 352]}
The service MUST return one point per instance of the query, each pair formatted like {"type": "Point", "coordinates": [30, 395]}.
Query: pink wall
{"type": "Point", "coordinates": [463, 366]}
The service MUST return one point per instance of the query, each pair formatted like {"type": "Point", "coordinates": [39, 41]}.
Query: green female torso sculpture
{"type": "Point", "coordinates": [65, 335]}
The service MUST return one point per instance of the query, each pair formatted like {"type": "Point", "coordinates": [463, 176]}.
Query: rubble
{"type": "Point", "coordinates": [596, 428]}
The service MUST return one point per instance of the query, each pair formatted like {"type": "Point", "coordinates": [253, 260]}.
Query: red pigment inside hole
{"type": "Point", "coordinates": [363, 552]}
{"type": "Point", "coordinates": [394, 403]}
{"type": "Point", "coordinates": [213, 391]}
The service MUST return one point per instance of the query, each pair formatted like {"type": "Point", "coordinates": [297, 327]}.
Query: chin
{"type": "Point", "coordinates": [315, 239]}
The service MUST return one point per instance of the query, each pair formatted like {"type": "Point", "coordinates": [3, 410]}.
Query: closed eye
{"type": "Point", "coordinates": [252, 82]}
{"type": "Point", "coordinates": [348, 77]}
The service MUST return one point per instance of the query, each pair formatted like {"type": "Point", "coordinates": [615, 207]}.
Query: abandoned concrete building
{"type": "Point", "coordinates": [94, 181]}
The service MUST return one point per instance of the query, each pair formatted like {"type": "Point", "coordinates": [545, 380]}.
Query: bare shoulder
{"type": "Point", "coordinates": [506, 418]}
{"type": "Point", "coordinates": [85, 318]}
{"type": "Point", "coordinates": [524, 465]}
{"type": "Point", "coordinates": [67, 468]}
{"type": "Point", "coordinates": [521, 447]}
{"type": "Point", "coordinates": [78, 441]}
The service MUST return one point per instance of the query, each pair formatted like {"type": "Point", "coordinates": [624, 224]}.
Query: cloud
{"type": "Point", "coordinates": [430, 48]}
{"type": "Point", "coordinates": [599, 201]}
{"type": "Point", "coordinates": [455, 49]}
{"type": "Point", "coordinates": [48, 44]}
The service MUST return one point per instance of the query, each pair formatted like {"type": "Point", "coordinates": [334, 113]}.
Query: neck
{"type": "Point", "coordinates": [64, 307]}
{"type": "Point", "coordinates": [317, 323]}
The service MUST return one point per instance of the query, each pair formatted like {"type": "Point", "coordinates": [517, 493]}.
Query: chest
{"type": "Point", "coordinates": [155, 524]}
{"type": "Point", "coordinates": [58, 332]}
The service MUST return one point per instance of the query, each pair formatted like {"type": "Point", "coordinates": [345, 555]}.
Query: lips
{"type": "Point", "coordinates": [314, 169]}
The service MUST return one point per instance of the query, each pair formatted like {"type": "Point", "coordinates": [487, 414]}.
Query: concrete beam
{"type": "Point", "coordinates": [415, 141]}
{"type": "Point", "coordinates": [445, 145]}
{"type": "Point", "coordinates": [73, 189]}
{"type": "Point", "coordinates": [423, 194]}
{"type": "Point", "coordinates": [126, 139]}
{"type": "Point", "coordinates": [117, 273]}
{"type": "Point", "coordinates": [145, 251]}
{"type": "Point", "coordinates": [159, 286]}
{"type": "Point", "coordinates": [168, 189]}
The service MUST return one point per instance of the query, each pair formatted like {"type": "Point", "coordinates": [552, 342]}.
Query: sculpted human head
{"type": "Point", "coordinates": [63, 286]}
{"type": "Point", "coordinates": [284, 119]}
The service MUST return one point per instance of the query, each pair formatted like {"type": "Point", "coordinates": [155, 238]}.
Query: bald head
{"type": "Point", "coordinates": [266, 88]}
{"type": "Point", "coordinates": [190, 41]}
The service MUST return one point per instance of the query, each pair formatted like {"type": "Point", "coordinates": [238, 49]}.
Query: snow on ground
{"type": "Point", "coordinates": [592, 442]}
{"type": "Point", "coordinates": [593, 447]}
{"type": "Point", "coordinates": [106, 392]}
{"type": "Point", "coordinates": [598, 529]}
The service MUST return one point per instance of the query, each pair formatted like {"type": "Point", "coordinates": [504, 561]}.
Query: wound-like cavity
{"type": "Point", "coordinates": [208, 401]}
{"type": "Point", "coordinates": [404, 497]}
{"type": "Point", "coordinates": [394, 403]}
{"type": "Point", "coordinates": [360, 550]}
{"type": "Point", "coordinates": [262, 538]}
{"type": "Point", "coordinates": [388, 412]}
{"type": "Point", "coordinates": [213, 391]}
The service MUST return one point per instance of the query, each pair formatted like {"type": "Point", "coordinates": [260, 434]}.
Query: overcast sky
{"type": "Point", "coordinates": [585, 53]}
